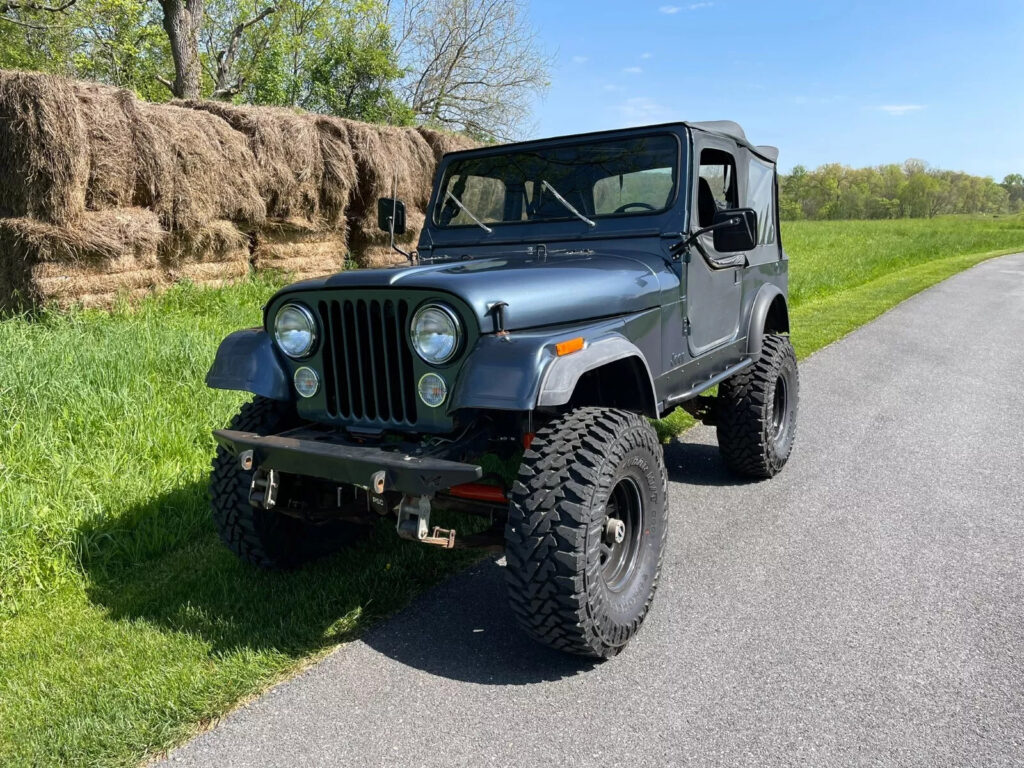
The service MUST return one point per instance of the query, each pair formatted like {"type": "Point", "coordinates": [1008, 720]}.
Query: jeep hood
{"type": "Point", "coordinates": [559, 289]}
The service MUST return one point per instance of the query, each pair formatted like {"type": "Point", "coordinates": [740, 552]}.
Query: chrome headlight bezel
{"type": "Point", "coordinates": [457, 332]}
{"type": "Point", "coordinates": [311, 327]}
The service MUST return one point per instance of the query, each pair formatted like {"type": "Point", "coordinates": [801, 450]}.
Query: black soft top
{"type": "Point", "coordinates": [725, 128]}
{"type": "Point", "coordinates": [734, 131]}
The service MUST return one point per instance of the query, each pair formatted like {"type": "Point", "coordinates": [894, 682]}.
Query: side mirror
{"type": "Point", "coordinates": [738, 236]}
{"type": "Point", "coordinates": [389, 208]}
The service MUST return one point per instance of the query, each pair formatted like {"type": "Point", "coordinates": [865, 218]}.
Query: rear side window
{"type": "Point", "coordinates": [761, 197]}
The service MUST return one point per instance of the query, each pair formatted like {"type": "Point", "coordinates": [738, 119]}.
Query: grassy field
{"type": "Point", "coordinates": [124, 625]}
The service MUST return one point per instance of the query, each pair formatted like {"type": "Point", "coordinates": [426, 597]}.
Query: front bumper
{"type": "Point", "coordinates": [310, 453]}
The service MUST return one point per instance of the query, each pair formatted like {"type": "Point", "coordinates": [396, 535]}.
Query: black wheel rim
{"type": "Point", "coordinates": [780, 411]}
{"type": "Point", "coordinates": [619, 558]}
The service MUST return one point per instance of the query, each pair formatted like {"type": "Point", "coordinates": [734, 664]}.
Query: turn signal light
{"type": "Point", "coordinates": [570, 346]}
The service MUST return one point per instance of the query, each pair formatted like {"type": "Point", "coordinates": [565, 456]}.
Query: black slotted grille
{"type": "Point", "coordinates": [368, 368]}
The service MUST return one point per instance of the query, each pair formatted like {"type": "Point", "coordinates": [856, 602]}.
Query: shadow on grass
{"type": "Point", "coordinates": [163, 564]}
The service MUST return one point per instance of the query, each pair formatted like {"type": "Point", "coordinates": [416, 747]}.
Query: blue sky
{"type": "Point", "coordinates": [861, 83]}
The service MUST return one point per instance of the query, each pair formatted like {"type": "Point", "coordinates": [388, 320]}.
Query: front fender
{"type": "Point", "coordinates": [522, 371]}
{"type": "Point", "coordinates": [246, 361]}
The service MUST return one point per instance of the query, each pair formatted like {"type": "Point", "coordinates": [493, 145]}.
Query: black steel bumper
{"type": "Point", "coordinates": [307, 453]}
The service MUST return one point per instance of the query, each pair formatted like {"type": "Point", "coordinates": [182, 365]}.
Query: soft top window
{"type": "Point", "coordinates": [620, 177]}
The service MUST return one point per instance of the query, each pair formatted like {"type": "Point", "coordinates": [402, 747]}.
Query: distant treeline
{"type": "Point", "coordinates": [911, 190]}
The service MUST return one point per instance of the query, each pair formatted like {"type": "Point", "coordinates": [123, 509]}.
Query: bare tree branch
{"type": "Point", "coordinates": [474, 65]}
{"type": "Point", "coordinates": [224, 87]}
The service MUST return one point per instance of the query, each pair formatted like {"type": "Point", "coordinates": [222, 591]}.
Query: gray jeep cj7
{"type": "Point", "coordinates": [563, 292]}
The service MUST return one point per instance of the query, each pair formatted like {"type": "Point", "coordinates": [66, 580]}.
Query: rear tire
{"type": "Point", "coordinates": [756, 411]}
{"type": "Point", "coordinates": [571, 584]}
{"type": "Point", "coordinates": [263, 537]}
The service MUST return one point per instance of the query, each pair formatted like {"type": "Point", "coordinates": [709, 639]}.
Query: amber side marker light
{"type": "Point", "coordinates": [570, 346]}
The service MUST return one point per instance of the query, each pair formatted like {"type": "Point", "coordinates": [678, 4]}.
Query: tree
{"type": "Point", "coordinates": [183, 22]}
{"type": "Point", "coordinates": [1014, 186]}
{"type": "Point", "coordinates": [472, 65]}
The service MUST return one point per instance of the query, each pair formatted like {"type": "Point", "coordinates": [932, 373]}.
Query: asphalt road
{"type": "Point", "coordinates": [866, 607]}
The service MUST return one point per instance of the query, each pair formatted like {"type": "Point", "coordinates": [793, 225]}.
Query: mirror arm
{"type": "Point", "coordinates": [391, 229]}
{"type": "Point", "coordinates": [391, 221]}
{"type": "Point", "coordinates": [677, 249]}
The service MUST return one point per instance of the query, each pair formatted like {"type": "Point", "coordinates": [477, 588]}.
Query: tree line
{"type": "Point", "coordinates": [472, 66]}
{"type": "Point", "coordinates": [910, 190]}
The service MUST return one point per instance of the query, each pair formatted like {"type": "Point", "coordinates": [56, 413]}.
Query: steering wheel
{"type": "Point", "coordinates": [624, 208]}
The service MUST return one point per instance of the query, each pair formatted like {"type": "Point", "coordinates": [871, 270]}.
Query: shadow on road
{"type": "Point", "coordinates": [698, 464]}
{"type": "Point", "coordinates": [465, 631]}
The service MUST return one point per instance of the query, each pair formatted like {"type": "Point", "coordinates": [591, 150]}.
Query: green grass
{"type": "Point", "coordinates": [124, 625]}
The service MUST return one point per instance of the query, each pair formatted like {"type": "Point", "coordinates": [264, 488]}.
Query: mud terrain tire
{"type": "Point", "coordinates": [756, 412]}
{"type": "Point", "coordinates": [571, 585]}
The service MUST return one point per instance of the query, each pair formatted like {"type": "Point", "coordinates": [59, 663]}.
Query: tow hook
{"type": "Point", "coordinates": [414, 523]}
{"type": "Point", "coordinates": [263, 490]}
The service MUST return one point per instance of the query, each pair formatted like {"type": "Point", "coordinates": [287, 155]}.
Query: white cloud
{"type": "Point", "coordinates": [580, 59]}
{"type": "Point", "coordinates": [670, 9]}
{"type": "Point", "coordinates": [634, 70]}
{"type": "Point", "coordinates": [647, 55]}
{"type": "Point", "coordinates": [640, 110]}
{"type": "Point", "coordinates": [898, 110]}
{"type": "Point", "coordinates": [611, 87]}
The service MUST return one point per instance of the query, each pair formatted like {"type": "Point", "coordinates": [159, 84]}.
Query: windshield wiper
{"type": "Point", "coordinates": [566, 203]}
{"type": "Point", "coordinates": [465, 210]}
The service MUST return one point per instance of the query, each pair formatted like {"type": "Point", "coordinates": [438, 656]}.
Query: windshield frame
{"type": "Point", "coordinates": [641, 218]}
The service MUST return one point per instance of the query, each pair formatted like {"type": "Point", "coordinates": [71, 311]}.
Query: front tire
{"type": "Point", "coordinates": [586, 531]}
{"type": "Point", "coordinates": [756, 411]}
{"type": "Point", "coordinates": [263, 537]}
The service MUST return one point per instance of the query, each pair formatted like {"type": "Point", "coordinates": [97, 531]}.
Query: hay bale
{"type": "Point", "coordinates": [213, 255]}
{"type": "Point", "coordinates": [340, 174]}
{"type": "Point", "coordinates": [106, 253]}
{"type": "Point", "coordinates": [443, 142]}
{"type": "Point", "coordinates": [286, 146]}
{"type": "Point", "coordinates": [114, 163]}
{"type": "Point", "coordinates": [43, 169]}
{"type": "Point", "coordinates": [380, 257]}
{"type": "Point", "coordinates": [299, 253]}
{"type": "Point", "coordinates": [202, 169]}
{"type": "Point", "coordinates": [384, 154]}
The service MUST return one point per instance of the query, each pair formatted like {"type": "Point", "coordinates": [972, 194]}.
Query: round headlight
{"type": "Point", "coordinates": [295, 330]}
{"type": "Point", "coordinates": [306, 381]}
{"type": "Point", "coordinates": [432, 389]}
{"type": "Point", "coordinates": [436, 333]}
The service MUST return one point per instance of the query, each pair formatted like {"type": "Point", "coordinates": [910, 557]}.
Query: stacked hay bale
{"type": "Point", "coordinates": [102, 194]}
{"type": "Point", "coordinates": [107, 254]}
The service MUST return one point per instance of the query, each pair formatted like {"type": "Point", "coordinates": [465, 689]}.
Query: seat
{"type": "Point", "coordinates": [706, 206]}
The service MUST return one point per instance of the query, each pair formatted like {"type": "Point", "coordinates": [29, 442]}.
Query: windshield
{"type": "Point", "coordinates": [586, 181]}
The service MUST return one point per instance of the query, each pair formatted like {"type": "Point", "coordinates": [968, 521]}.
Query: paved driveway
{"type": "Point", "coordinates": [865, 607]}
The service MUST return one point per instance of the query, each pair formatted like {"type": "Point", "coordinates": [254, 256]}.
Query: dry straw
{"type": "Point", "coordinates": [43, 170]}
{"type": "Point", "coordinates": [104, 253]}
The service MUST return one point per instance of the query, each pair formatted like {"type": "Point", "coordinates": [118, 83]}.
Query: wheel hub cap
{"type": "Point", "coordinates": [623, 530]}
